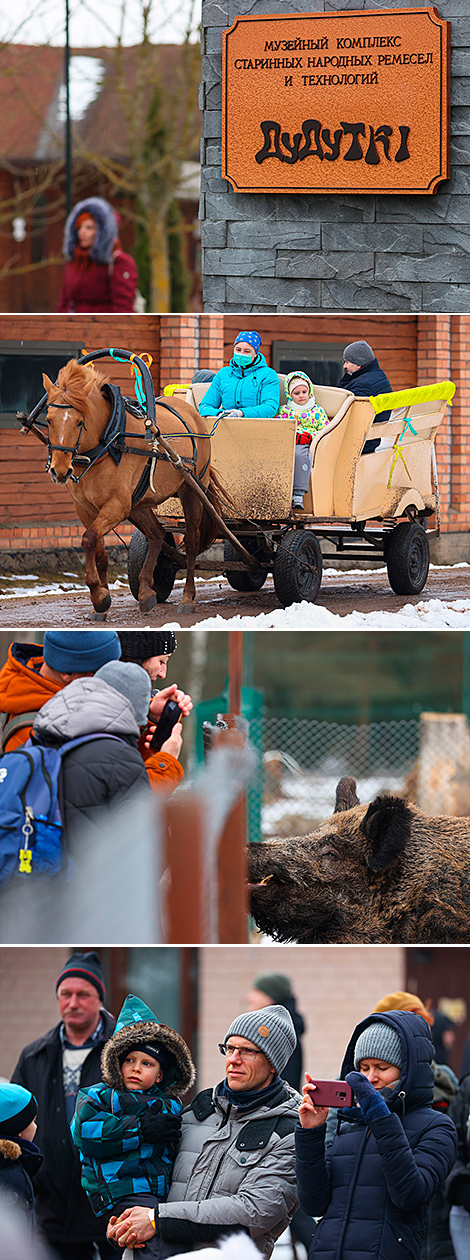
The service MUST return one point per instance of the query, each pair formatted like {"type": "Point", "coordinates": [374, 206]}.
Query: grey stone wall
{"type": "Point", "coordinates": [281, 252]}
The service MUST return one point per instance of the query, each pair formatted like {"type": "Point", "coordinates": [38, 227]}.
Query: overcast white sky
{"type": "Point", "coordinates": [95, 22]}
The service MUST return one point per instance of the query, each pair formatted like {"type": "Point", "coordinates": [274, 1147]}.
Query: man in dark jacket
{"type": "Point", "coordinates": [365, 378]}
{"type": "Point", "coordinates": [54, 1068]}
{"type": "Point", "coordinates": [235, 1165]}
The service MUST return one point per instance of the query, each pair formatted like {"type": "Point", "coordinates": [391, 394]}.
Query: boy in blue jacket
{"type": "Point", "coordinates": [127, 1127]}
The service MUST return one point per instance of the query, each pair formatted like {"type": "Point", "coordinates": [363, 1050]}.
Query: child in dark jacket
{"type": "Point", "coordinates": [127, 1127]}
{"type": "Point", "coordinates": [391, 1151]}
{"type": "Point", "coordinates": [20, 1159]}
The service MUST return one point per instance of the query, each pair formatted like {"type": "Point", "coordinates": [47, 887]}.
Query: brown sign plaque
{"type": "Point", "coordinates": [354, 102]}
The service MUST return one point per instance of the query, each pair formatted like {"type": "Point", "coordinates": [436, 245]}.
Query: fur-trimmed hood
{"type": "Point", "coordinates": [10, 1149]}
{"type": "Point", "coordinates": [105, 219]}
{"type": "Point", "coordinates": [137, 1023]}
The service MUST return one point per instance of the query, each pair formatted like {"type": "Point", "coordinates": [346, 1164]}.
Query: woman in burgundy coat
{"type": "Point", "coordinates": [98, 275]}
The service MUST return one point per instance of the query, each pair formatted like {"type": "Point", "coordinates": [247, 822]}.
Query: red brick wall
{"type": "Point", "coordinates": [393, 337]}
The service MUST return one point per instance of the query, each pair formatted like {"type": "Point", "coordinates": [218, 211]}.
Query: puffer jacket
{"type": "Point", "coordinates": [117, 1161]}
{"type": "Point", "coordinates": [235, 1169]}
{"type": "Point", "coordinates": [63, 1212]}
{"type": "Point", "coordinates": [374, 1183]}
{"type": "Point", "coordinates": [20, 1162]}
{"type": "Point", "coordinates": [367, 382]}
{"type": "Point", "coordinates": [255, 390]}
{"type": "Point", "coordinates": [457, 1187]}
{"type": "Point", "coordinates": [104, 772]}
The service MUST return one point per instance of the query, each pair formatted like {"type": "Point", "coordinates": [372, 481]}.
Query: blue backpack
{"type": "Point", "coordinates": [31, 827]}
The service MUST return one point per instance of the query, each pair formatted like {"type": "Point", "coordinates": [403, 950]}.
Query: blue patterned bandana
{"type": "Point", "coordinates": [252, 338]}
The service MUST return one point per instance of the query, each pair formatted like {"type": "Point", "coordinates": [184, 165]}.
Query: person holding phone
{"type": "Point", "coordinates": [372, 1186]}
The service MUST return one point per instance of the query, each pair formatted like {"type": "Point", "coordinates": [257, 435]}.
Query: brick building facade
{"type": "Point", "coordinates": [36, 516]}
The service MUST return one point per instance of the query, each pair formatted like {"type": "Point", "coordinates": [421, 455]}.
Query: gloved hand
{"type": "Point", "coordinates": [164, 1127]}
{"type": "Point", "coordinates": [233, 413]}
{"type": "Point", "coordinates": [371, 1104]}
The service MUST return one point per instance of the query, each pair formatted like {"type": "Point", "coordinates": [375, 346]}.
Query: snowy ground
{"type": "Point", "coordinates": [435, 614]}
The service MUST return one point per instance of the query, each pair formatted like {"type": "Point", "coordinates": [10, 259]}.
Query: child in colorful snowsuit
{"type": "Point", "coordinates": [310, 418]}
{"type": "Point", "coordinates": [128, 1126]}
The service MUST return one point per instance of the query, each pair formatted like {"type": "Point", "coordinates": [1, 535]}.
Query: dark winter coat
{"type": "Point", "coordinates": [367, 382]}
{"type": "Point", "coordinates": [374, 1184]}
{"type": "Point", "coordinates": [62, 1208]}
{"type": "Point", "coordinates": [457, 1187]}
{"type": "Point", "coordinates": [20, 1162]}
{"type": "Point", "coordinates": [110, 282]}
{"type": "Point", "coordinates": [293, 1071]}
{"type": "Point", "coordinates": [101, 773]}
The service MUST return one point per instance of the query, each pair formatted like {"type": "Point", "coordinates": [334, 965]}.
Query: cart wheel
{"type": "Point", "coordinates": [298, 567]}
{"type": "Point", "coordinates": [164, 572]}
{"type": "Point", "coordinates": [407, 558]}
{"type": "Point", "coordinates": [243, 580]}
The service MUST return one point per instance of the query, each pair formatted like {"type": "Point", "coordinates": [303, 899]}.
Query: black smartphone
{"type": "Point", "coordinates": [171, 714]}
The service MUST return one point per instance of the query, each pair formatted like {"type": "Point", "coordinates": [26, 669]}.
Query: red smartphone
{"type": "Point", "coordinates": [332, 1094]}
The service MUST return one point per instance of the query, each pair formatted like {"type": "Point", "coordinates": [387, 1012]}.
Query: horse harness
{"type": "Point", "coordinates": [113, 441]}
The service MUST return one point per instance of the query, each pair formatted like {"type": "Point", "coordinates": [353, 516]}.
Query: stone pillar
{"type": "Point", "coordinates": [443, 778]}
{"type": "Point", "coordinates": [280, 251]}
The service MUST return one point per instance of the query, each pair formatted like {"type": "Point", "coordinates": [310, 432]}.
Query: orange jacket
{"type": "Point", "coordinates": [24, 690]}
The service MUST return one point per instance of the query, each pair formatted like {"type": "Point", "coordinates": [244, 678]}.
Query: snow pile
{"type": "Point", "coordinates": [432, 614]}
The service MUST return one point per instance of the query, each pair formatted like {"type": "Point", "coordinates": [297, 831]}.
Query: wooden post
{"type": "Point", "coordinates": [182, 913]}
{"type": "Point", "coordinates": [235, 668]}
{"type": "Point", "coordinates": [231, 863]}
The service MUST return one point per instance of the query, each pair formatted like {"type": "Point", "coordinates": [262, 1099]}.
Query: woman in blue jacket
{"type": "Point", "coordinates": [247, 387]}
{"type": "Point", "coordinates": [391, 1151]}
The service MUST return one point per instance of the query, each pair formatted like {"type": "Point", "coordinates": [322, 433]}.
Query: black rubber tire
{"type": "Point", "coordinates": [407, 558]}
{"type": "Point", "coordinates": [294, 581]}
{"type": "Point", "coordinates": [243, 579]}
{"type": "Point", "coordinates": [164, 573]}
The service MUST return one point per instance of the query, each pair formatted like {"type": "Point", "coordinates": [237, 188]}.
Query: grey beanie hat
{"type": "Point", "coordinates": [359, 352]}
{"type": "Point", "coordinates": [378, 1041]}
{"type": "Point", "coordinates": [271, 1030]}
{"type": "Point", "coordinates": [132, 681]}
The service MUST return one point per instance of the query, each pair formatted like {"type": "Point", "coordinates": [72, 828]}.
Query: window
{"type": "Point", "coordinates": [21, 367]}
{"type": "Point", "coordinates": [321, 360]}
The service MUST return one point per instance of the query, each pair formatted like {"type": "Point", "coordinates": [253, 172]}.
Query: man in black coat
{"type": "Point", "coordinates": [54, 1068]}
{"type": "Point", "coordinates": [365, 378]}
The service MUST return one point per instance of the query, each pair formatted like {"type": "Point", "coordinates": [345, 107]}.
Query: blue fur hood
{"type": "Point", "coordinates": [105, 219]}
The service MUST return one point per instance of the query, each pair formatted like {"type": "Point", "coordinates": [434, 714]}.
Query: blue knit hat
{"type": "Point", "coordinates": [80, 651]}
{"type": "Point", "coordinates": [253, 339]}
{"type": "Point", "coordinates": [18, 1107]}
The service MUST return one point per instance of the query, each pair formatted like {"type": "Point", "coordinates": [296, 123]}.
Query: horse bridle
{"type": "Point", "coordinates": [72, 450]}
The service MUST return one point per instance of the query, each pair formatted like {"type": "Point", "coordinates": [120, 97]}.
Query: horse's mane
{"type": "Point", "coordinates": [72, 383]}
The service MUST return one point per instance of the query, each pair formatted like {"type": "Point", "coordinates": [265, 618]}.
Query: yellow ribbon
{"type": "Point", "coordinates": [398, 452]}
{"type": "Point", "coordinates": [171, 389]}
{"type": "Point", "coordinates": [442, 390]}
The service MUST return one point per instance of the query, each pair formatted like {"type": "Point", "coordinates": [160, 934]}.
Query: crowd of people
{"type": "Point", "coordinates": [94, 694]}
{"type": "Point", "coordinates": [101, 1150]}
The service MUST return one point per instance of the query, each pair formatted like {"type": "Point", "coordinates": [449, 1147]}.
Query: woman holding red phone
{"type": "Point", "coordinates": [372, 1186]}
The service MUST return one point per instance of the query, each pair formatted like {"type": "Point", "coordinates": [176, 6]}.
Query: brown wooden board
{"type": "Point", "coordinates": [353, 102]}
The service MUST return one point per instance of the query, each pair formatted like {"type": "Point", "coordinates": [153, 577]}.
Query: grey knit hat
{"type": "Point", "coordinates": [132, 681]}
{"type": "Point", "coordinates": [275, 985]}
{"type": "Point", "coordinates": [271, 1030]}
{"type": "Point", "coordinates": [359, 352]}
{"type": "Point", "coordinates": [378, 1041]}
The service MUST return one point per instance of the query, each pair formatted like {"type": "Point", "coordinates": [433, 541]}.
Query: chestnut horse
{"type": "Point", "coordinates": [77, 414]}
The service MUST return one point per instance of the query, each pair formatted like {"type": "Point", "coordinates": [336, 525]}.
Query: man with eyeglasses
{"type": "Point", "coordinates": [235, 1169]}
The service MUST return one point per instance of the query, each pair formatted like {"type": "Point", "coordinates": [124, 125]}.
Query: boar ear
{"type": "Point", "coordinates": [387, 826]}
{"type": "Point", "coordinates": [345, 795]}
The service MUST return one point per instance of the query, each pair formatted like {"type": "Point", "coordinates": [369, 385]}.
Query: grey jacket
{"type": "Point", "coordinates": [234, 1170]}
